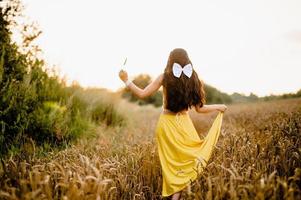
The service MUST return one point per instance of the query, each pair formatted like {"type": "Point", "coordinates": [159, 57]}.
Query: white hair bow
{"type": "Point", "coordinates": [177, 70]}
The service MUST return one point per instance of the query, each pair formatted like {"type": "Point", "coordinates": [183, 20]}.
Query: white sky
{"type": "Point", "coordinates": [235, 45]}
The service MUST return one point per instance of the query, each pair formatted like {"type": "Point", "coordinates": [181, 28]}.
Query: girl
{"type": "Point", "coordinates": [182, 153]}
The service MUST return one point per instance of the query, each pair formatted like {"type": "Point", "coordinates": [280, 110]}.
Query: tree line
{"type": "Point", "coordinates": [213, 95]}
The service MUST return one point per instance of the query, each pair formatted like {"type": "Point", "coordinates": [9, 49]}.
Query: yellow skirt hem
{"type": "Point", "coordinates": [181, 188]}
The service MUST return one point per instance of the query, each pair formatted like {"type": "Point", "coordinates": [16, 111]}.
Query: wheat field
{"type": "Point", "coordinates": [258, 156]}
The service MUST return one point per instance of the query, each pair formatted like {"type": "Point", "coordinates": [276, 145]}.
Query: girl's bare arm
{"type": "Point", "coordinates": [142, 93]}
{"type": "Point", "coordinates": [211, 108]}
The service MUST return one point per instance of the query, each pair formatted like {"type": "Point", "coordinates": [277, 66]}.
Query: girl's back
{"type": "Point", "coordinates": [182, 153]}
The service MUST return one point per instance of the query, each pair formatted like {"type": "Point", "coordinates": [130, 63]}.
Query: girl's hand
{"type": "Point", "coordinates": [222, 108]}
{"type": "Point", "coordinates": [123, 75]}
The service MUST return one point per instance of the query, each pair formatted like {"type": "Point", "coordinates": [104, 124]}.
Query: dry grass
{"type": "Point", "coordinates": [257, 157]}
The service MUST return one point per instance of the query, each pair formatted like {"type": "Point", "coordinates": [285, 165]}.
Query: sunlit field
{"type": "Point", "coordinates": [62, 138]}
{"type": "Point", "coordinates": [257, 157]}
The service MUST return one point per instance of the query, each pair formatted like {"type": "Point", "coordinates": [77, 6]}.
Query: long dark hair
{"type": "Point", "coordinates": [183, 92]}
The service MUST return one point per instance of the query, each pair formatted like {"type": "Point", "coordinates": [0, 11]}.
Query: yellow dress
{"type": "Point", "coordinates": [181, 151]}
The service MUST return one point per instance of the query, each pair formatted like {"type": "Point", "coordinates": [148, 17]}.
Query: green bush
{"type": "Point", "coordinates": [35, 106]}
{"type": "Point", "coordinates": [100, 106]}
{"type": "Point", "coordinates": [106, 113]}
{"type": "Point", "coordinates": [213, 95]}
